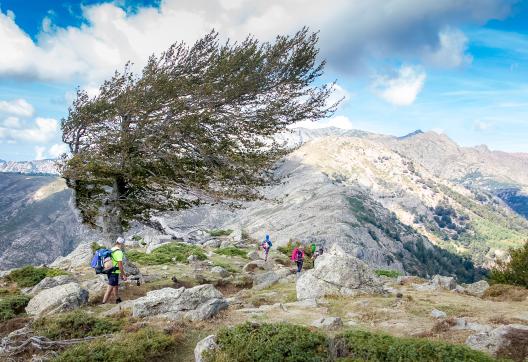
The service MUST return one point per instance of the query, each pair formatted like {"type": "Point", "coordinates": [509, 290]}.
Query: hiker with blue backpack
{"type": "Point", "coordinates": [266, 245]}
{"type": "Point", "coordinates": [110, 262]}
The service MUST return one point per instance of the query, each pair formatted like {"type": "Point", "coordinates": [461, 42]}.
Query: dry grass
{"type": "Point", "coordinates": [506, 293]}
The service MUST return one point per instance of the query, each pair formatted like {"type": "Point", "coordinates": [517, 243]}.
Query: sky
{"type": "Point", "coordinates": [450, 66]}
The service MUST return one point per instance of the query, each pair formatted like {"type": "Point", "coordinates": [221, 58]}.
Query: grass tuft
{"type": "Point", "coordinates": [231, 251]}
{"type": "Point", "coordinates": [387, 273]}
{"type": "Point", "coordinates": [30, 276]}
{"type": "Point", "coordinates": [178, 252]}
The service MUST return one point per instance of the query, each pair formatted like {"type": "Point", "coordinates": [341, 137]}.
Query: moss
{"type": "Point", "coordinates": [387, 273]}
{"type": "Point", "coordinates": [270, 343]}
{"type": "Point", "coordinates": [143, 345]}
{"type": "Point", "coordinates": [359, 345]}
{"type": "Point", "coordinates": [166, 254]}
{"type": "Point", "coordinates": [78, 324]}
{"type": "Point", "coordinates": [220, 232]}
{"type": "Point", "coordinates": [12, 305]}
{"type": "Point", "coordinates": [232, 251]}
{"type": "Point", "coordinates": [30, 276]}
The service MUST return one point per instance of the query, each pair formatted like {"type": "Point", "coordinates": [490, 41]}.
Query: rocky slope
{"type": "Point", "coordinates": [40, 167]}
{"type": "Point", "coordinates": [37, 220]}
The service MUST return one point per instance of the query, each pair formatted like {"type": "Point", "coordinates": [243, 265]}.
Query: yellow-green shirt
{"type": "Point", "coordinates": [117, 256]}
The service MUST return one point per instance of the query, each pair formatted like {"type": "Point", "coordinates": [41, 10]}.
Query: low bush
{"type": "Point", "coordinates": [143, 345]}
{"type": "Point", "coordinates": [12, 305]}
{"type": "Point", "coordinates": [269, 343]}
{"type": "Point", "coordinates": [166, 254]}
{"type": "Point", "coordinates": [504, 293]}
{"type": "Point", "coordinates": [30, 276]}
{"type": "Point", "coordinates": [231, 251]}
{"type": "Point", "coordinates": [220, 232]}
{"type": "Point", "coordinates": [514, 271]}
{"type": "Point", "coordinates": [387, 273]}
{"type": "Point", "coordinates": [78, 324]}
{"type": "Point", "coordinates": [358, 345]}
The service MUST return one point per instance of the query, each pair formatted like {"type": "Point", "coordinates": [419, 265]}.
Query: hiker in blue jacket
{"type": "Point", "coordinates": [266, 245]}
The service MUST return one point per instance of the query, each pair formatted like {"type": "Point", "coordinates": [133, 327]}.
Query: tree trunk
{"type": "Point", "coordinates": [112, 224]}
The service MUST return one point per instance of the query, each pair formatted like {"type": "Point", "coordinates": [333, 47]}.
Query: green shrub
{"type": "Point", "coordinates": [515, 271]}
{"type": "Point", "coordinates": [288, 248]}
{"type": "Point", "coordinates": [96, 246]}
{"type": "Point", "coordinates": [358, 345]}
{"type": "Point", "coordinates": [166, 253]}
{"type": "Point", "coordinates": [78, 324]}
{"type": "Point", "coordinates": [12, 305]}
{"type": "Point", "coordinates": [231, 251]}
{"type": "Point", "coordinates": [220, 232]}
{"type": "Point", "coordinates": [269, 343]}
{"type": "Point", "coordinates": [144, 345]}
{"type": "Point", "coordinates": [387, 273]}
{"type": "Point", "coordinates": [29, 276]}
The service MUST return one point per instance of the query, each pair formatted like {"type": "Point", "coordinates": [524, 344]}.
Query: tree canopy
{"type": "Point", "coordinates": [197, 124]}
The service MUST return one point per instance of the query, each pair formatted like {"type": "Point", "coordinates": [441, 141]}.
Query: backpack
{"type": "Point", "coordinates": [102, 261]}
{"type": "Point", "coordinates": [269, 243]}
{"type": "Point", "coordinates": [299, 256]}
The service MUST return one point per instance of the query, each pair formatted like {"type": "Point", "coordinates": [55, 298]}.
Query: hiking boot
{"type": "Point", "coordinates": [118, 300]}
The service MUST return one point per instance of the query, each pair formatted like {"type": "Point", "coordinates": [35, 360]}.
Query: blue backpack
{"type": "Point", "coordinates": [102, 261]}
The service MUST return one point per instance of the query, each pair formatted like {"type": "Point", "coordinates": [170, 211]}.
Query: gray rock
{"type": "Point", "coordinates": [191, 258]}
{"type": "Point", "coordinates": [337, 273]}
{"type": "Point", "coordinates": [435, 313]}
{"type": "Point", "coordinates": [96, 285]}
{"type": "Point", "coordinates": [198, 303]}
{"type": "Point", "coordinates": [448, 283]}
{"type": "Point", "coordinates": [328, 323]}
{"type": "Point", "coordinates": [255, 265]}
{"type": "Point", "coordinates": [462, 324]}
{"type": "Point", "coordinates": [477, 289]}
{"type": "Point", "coordinates": [49, 282]}
{"type": "Point", "coordinates": [267, 279]}
{"type": "Point", "coordinates": [220, 271]}
{"type": "Point", "coordinates": [206, 344]}
{"type": "Point", "coordinates": [505, 337]}
{"type": "Point", "coordinates": [57, 299]}
{"type": "Point", "coordinates": [79, 257]}
{"type": "Point", "coordinates": [213, 243]}
{"type": "Point", "coordinates": [253, 255]}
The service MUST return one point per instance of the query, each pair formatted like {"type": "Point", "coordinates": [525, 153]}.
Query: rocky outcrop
{"type": "Point", "coordinates": [206, 344]}
{"type": "Point", "coordinates": [198, 303]}
{"type": "Point", "coordinates": [267, 279]}
{"type": "Point", "coordinates": [476, 289]}
{"type": "Point", "coordinates": [328, 323]}
{"type": "Point", "coordinates": [57, 299]}
{"type": "Point", "coordinates": [49, 282]}
{"type": "Point", "coordinates": [79, 257]}
{"type": "Point", "coordinates": [440, 281]}
{"type": "Point", "coordinates": [337, 273]}
{"type": "Point", "coordinates": [504, 341]}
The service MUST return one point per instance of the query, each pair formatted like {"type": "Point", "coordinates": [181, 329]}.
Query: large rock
{"type": "Point", "coordinates": [206, 344]}
{"type": "Point", "coordinates": [476, 289]}
{"type": "Point", "coordinates": [57, 299]}
{"type": "Point", "coordinates": [255, 265]}
{"type": "Point", "coordinates": [253, 255]}
{"type": "Point", "coordinates": [198, 303]}
{"type": "Point", "coordinates": [448, 283]}
{"type": "Point", "coordinates": [49, 282]}
{"type": "Point", "coordinates": [220, 271]}
{"type": "Point", "coordinates": [81, 256]}
{"type": "Point", "coordinates": [328, 323]}
{"type": "Point", "coordinates": [502, 341]}
{"type": "Point", "coordinates": [267, 279]}
{"type": "Point", "coordinates": [337, 273]}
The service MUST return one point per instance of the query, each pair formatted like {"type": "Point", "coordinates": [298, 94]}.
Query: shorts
{"type": "Point", "coordinates": [113, 279]}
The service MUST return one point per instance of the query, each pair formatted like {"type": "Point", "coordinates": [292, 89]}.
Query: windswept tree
{"type": "Point", "coordinates": [196, 125]}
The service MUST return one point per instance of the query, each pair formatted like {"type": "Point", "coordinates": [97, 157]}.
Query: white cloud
{"type": "Point", "coordinates": [401, 88]}
{"type": "Point", "coordinates": [57, 150]}
{"type": "Point", "coordinates": [43, 130]}
{"type": "Point", "coordinates": [109, 36]}
{"type": "Point", "coordinates": [342, 122]}
{"type": "Point", "coordinates": [339, 93]}
{"type": "Point", "coordinates": [451, 51]}
{"type": "Point", "coordinates": [11, 122]}
{"type": "Point", "coordinates": [39, 152]}
{"type": "Point", "coordinates": [482, 125]}
{"type": "Point", "coordinates": [17, 107]}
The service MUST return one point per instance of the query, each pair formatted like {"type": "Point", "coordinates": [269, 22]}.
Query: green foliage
{"type": "Point", "coordinates": [387, 273]}
{"type": "Point", "coordinates": [231, 251]}
{"type": "Point", "coordinates": [12, 305]}
{"type": "Point", "coordinates": [220, 232]}
{"type": "Point", "coordinates": [288, 248]}
{"type": "Point", "coordinates": [514, 271]}
{"type": "Point", "coordinates": [358, 345]}
{"type": "Point", "coordinates": [29, 276]}
{"type": "Point", "coordinates": [270, 343]}
{"type": "Point", "coordinates": [166, 253]}
{"type": "Point", "coordinates": [198, 119]}
{"type": "Point", "coordinates": [78, 324]}
{"type": "Point", "coordinates": [144, 345]}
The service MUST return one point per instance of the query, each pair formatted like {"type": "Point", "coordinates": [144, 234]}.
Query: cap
{"type": "Point", "coordinates": [120, 240]}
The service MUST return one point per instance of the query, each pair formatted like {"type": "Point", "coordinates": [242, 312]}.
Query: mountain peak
{"type": "Point", "coordinates": [417, 132]}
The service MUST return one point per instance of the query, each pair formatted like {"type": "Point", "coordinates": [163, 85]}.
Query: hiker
{"type": "Point", "coordinates": [298, 257]}
{"type": "Point", "coordinates": [118, 270]}
{"type": "Point", "coordinates": [266, 245]}
{"type": "Point", "coordinates": [318, 253]}
{"type": "Point", "coordinates": [313, 248]}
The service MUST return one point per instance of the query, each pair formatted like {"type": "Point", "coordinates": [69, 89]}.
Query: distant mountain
{"type": "Point", "coordinates": [43, 167]}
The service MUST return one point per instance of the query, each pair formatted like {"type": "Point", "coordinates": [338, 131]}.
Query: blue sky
{"type": "Point", "coordinates": [457, 67]}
